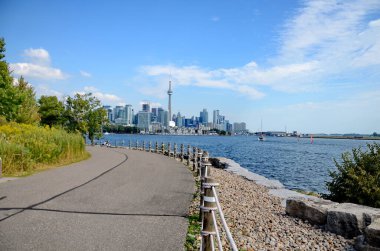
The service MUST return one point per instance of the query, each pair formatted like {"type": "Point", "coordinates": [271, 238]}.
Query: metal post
{"type": "Point", "coordinates": [188, 155]}
{"type": "Point", "coordinates": [195, 151]}
{"type": "Point", "coordinates": [143, 146]}
{"type": "Point", "coordinates": [181, 152]}
{"type": "Point", "coordinates": [162, 148]}
{"type": "Point", "coordinates": [175, 151]}
{"type": "Point", "coordinates": [130, 144]}
{"type": "Point", "coordinates": [208, 225]}
{"type": "Point", "coordinates": [150, 146]}
{"type": "Point", "coordinates": [156, 147]}
{"type": "Point", "coordinates": [199, 157]}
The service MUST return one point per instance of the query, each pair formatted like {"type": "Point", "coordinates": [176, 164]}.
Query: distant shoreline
{"type": "Point", "coordinates": [347, 137]}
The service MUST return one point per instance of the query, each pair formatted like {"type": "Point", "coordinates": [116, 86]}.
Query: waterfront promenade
{"type": "Point", "coordinates": [117, 200]}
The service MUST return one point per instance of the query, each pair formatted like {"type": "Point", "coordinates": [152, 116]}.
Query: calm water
{"type": "Point", "coordinates": [297, 164]}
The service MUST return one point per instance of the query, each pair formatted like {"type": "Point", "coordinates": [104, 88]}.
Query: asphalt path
{"type": "Point", "coordinates": [117, 200]}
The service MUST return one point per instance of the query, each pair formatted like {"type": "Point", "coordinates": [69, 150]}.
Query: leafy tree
{"type": "Point", "coordinates": [85, 114]}
{"type": "Point", "coordinates": [8, 93]}
{"type": "Point", "coordinates": [357, 179]}
{"type": "Point", "coordinates": [51, 111]}
{"type": "Point", "coordinates": [27, 111]}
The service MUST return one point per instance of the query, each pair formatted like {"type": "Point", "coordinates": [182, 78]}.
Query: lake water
{"type": "Point", "coordinates": [296, 163]}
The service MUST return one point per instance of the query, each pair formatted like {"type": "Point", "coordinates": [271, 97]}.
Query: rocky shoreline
{"type": "Point", "coordinates": [258, 221]}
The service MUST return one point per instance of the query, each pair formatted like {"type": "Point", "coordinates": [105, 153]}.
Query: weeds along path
{"type": "Point", "coordinates": [118, 199]}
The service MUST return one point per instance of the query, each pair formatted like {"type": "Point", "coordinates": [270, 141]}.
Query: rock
{"type": "Point", "coordinates": [349, 219]}
{"type": "Point", "coordinates": [372, 233]}
{"type": "Point", "coordinates": [315, 211]}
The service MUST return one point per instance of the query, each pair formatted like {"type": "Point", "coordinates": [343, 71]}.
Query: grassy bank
{"type": "Point", "coordinates": [25, 149]}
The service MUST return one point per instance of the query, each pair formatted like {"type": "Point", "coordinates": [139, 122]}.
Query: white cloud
{"type": "Point", "coordinates": [324, 40]}
{"type": "Point", "coordinates": [47, 91]}
{"type": "Point", "coordinates": [85, 74]}
{"type": "Point", "coordinates": [37, 66]}
{"type": "Point", "coordinates": [37, 71]}
{"type": "Point", "coordinates": [38, 56]}
{"type": "Point", "coordinates": [105, 98]}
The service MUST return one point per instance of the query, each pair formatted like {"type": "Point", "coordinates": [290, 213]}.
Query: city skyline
{"type": "Point", "coordinates": [253, 60]}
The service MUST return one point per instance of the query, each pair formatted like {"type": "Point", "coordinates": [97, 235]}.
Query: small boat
{"type": "Point", "coordinates": [261, 137]}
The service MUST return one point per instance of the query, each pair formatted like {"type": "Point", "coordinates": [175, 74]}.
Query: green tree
{"type": "Point", "coordinates": [8, 93]}
{"type": "Point", "coordinates": [51, 111]}
{"type": "Point", "coordinates": [27, 111]}
{"type": "Point", "coordinates": [357, 179]}
{"type": "Point", "coordinates": [85, 114]}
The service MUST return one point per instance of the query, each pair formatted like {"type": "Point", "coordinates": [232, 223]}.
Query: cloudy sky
{"type": "Point", "coordinates": [311, 66]}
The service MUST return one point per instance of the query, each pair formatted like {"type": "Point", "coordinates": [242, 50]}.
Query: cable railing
{"type": "Point", "coordinates": [198, 161]}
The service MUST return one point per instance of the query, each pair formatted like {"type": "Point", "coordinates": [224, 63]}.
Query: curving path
{"type": "Point", "coordinates": [117, 200]}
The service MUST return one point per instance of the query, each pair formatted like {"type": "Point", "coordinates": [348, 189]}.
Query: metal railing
{"type": "Point", "coordinates": [198, 161]}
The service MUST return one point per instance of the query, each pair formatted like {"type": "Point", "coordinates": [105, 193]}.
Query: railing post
{"type": "Point", "coordinates": [199, 158]}
{"type": "Point", "coordinates": [205, 167]}
{"type": "Point", "coordinates": [208, 231]}
{"type": "Point", "coordinates": [163, 148]}
{"type": "Point", "coordinates": [143, 146]}
{"type": "Point", "coordinates": [169, 149]}
{"type": "Point", "coordinates": [130, 144]}
{"type": "Point", "coordinates": [194, 158]}
{"type": "Point", "coordinates": [137, 145]}
{"type": "Point", "coordinates": [175, 150]}
{"type": "Point", "coordinates": [188, 155]}
{"type": "Point", "coordinates": [181, 152]}
{"type": "Point", "coordinates": [156, 147]}
{"type": "Point", "coordinates": [1, 167]}
{"type": "Point", "coordinates": [150, 146]}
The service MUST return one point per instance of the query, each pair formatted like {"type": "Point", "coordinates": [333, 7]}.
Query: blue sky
{"type": "Point", "coordinates": [312, 66]}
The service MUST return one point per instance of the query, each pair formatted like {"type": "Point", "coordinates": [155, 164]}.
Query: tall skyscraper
{"type": "Point", "coordinates": [146, 106]}
{"type": "Point", "coordinates": [215, 119]}
{"type": "Point", "coordinates": [203, 116]}
{"type": "Point", "coordinates": [128, 114]}
{"type": "Point", "coordinates": [170, 92]}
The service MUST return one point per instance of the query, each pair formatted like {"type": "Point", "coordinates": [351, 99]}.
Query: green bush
{"type": "Point", "coordinates": [357, 179]}
{"type": "Point", "coordinates": [24, 148]}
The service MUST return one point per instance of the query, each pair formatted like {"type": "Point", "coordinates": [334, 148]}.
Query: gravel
{"type": "Point", "coordinates": [258, 221]}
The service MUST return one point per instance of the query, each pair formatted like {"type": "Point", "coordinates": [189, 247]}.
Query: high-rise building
{"type": "Point", "coordinates": [144, 120]}
{"type": "Point", "coordinates": [109, 112]}
{"type": "Point", "coordinates": [215, 118]}
{"type": "Point", "coordinates": [203, 118]}
{"type": "Point", "coordinates": [146, 106]}
{"type": "Point", "coordinates": [178, 120]}
{"type": "Point", "coordinates": [118, 112]}
{"type": "Point", "coordinates": [128, 115]}
{"type": "Point", "coordinates": [240, 127]}
{"type": "Point", "coordinates": [170, 92]}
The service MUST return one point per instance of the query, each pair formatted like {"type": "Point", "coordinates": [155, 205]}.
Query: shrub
{"type": "Point", "coordinates": [24, 148]}
{"type": "Point", "coordinates": [357, 179]}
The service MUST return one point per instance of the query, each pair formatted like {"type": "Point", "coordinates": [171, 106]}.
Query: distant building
{"type": "Point", "coordinates": [203, 118]}
{"type": "Point", "coordinates": [128, 115]}
{"type": "Point", "coordinates": [144, 120]}
{"type": "Point", "coordinates": [215, 118]}
{"type": "Point", "coordinates": [109, 113]}
{"type": "Point", "coordinates": [118, 112]}
{"type": "Point", "coordinates": [146, 107]}
{"type": "Point", "coordinates": [240, 127]}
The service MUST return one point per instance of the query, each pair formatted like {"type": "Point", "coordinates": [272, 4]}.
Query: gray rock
{"type": "Point", "coordinates": [372, 233]}
{"type": "Point", "coordinates": [349, 219]}
{"type": "Point", "coordinates": [315, 211]}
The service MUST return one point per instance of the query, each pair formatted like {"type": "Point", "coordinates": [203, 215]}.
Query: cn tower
{"type": "Point", "coordinates": [170, 92]}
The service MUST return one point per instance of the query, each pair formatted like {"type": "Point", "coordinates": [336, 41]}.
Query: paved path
{"type": "Point", "coordinates": [117, 200]}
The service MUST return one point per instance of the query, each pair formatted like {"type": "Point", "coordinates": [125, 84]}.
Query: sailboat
{"type": "Point", "coordinates": [261, 137]}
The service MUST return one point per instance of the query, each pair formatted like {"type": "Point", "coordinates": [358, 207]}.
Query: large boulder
{"type": "Point", "coordinates": [315, 211]}
{"type": "Point", "coordinates": [372, 233]}
{"type": "Point", "coordinates": [350, 220]}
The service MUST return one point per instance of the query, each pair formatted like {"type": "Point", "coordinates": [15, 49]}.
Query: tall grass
{"type": "Point", "coordinates": [25, 148]}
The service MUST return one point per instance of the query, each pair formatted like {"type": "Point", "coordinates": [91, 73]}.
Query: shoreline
{"type": "Point", "coordinates": [275, 187]}
{"type": "Point", "coordinates": [256, 215]}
